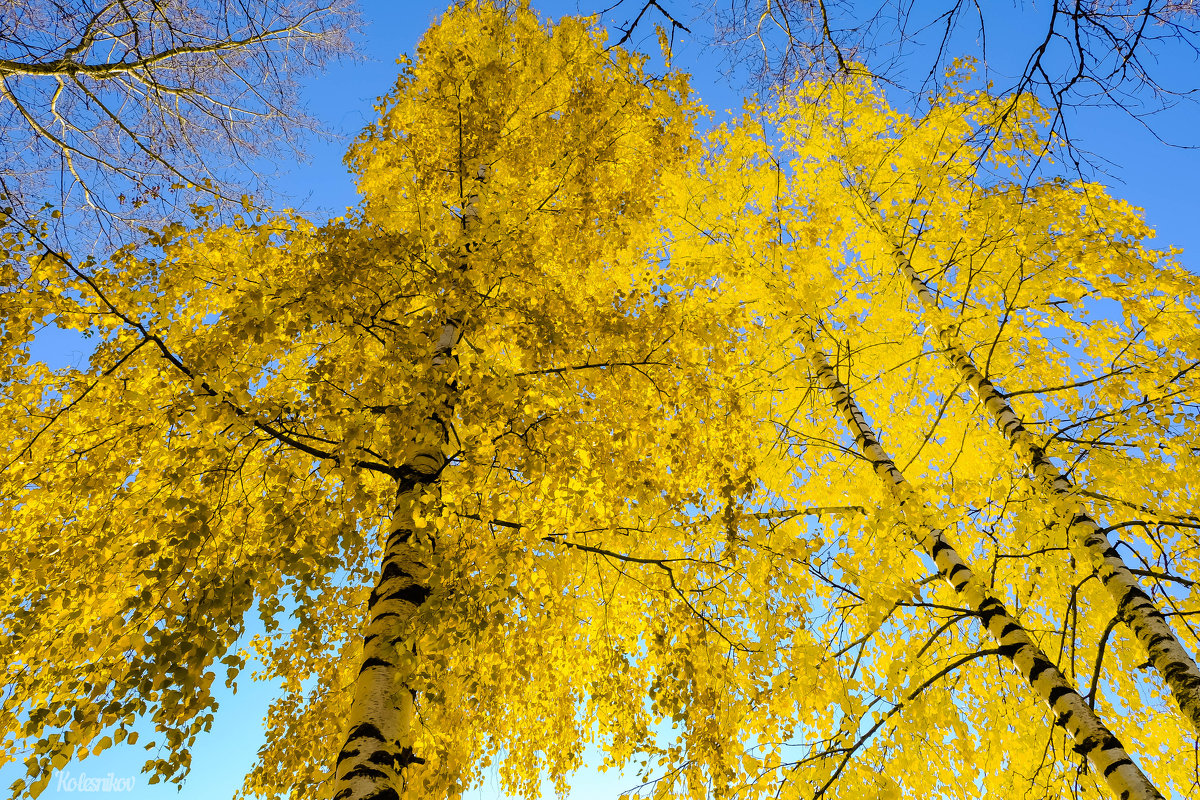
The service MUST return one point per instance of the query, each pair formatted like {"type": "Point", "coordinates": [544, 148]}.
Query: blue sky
{"type": "Point", "coordinates": [1161, 179]}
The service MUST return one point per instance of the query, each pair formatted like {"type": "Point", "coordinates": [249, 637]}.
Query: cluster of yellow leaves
{"type": "Point", "coordinates": [619, 553]}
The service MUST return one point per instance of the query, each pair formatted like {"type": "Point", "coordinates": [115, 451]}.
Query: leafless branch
{"type": "Point", "coordinates": [115, 113]}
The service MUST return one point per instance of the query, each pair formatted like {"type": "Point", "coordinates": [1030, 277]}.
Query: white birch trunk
{"type": "Point", "coordinates": [378, 751]}
{"type": "Point", "coordinates": [1071, 711]}
{"type": "Point", "coordinates": [1134, 607]}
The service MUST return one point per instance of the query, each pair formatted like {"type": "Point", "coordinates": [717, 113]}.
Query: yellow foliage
{"type": "Point", "coordinates": [652, 534]}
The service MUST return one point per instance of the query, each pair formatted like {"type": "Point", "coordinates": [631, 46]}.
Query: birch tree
{"type": "Point", "coordinates": [447, 423]}
{"type": "Point", "coordinates": [1092, 739]}
{"type": "Point", "coordinates": [1057, 297]}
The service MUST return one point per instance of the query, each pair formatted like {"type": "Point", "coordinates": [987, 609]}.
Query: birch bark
{"type": "Point", "coordinates": [380, 737]}
{"type": "Point", "coordinates": [1134, 607]}
{"type": "Point", "coordinates": [1092, 738]}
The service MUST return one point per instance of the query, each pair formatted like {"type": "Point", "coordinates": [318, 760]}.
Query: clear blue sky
{"type": "Point", "coordinates": [1161, 179]}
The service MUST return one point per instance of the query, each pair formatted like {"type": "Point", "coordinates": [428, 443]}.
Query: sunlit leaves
{"type": "Point", "coordinates": [629, 547]}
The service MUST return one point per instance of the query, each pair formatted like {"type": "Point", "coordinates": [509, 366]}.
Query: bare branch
{"type": "Point", "coordinates": [118, 113]}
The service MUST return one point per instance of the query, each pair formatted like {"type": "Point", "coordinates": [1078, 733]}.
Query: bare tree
{"type": "Point", "coordinates": [105, 105]}
{"type": "Point", "coordinates": [1067, 53]}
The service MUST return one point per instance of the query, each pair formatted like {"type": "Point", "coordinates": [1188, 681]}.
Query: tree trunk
{"type": "Point", "coordinates": [1091, 737]}
{"type": "Point", "coordinates": [1134, 606]}
{"type": "Point", "coordinates": [379, 741]}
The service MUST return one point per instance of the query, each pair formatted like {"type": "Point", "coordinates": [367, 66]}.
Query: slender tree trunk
{"type": "Point", "coordinates": [379, 740]}
{"type": "Point", "coordinates": [378, 745]}
{"type": "Point", "coordinates": [1134, 606]}
{"type": "Point", "coordinates": [1092, 738]}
